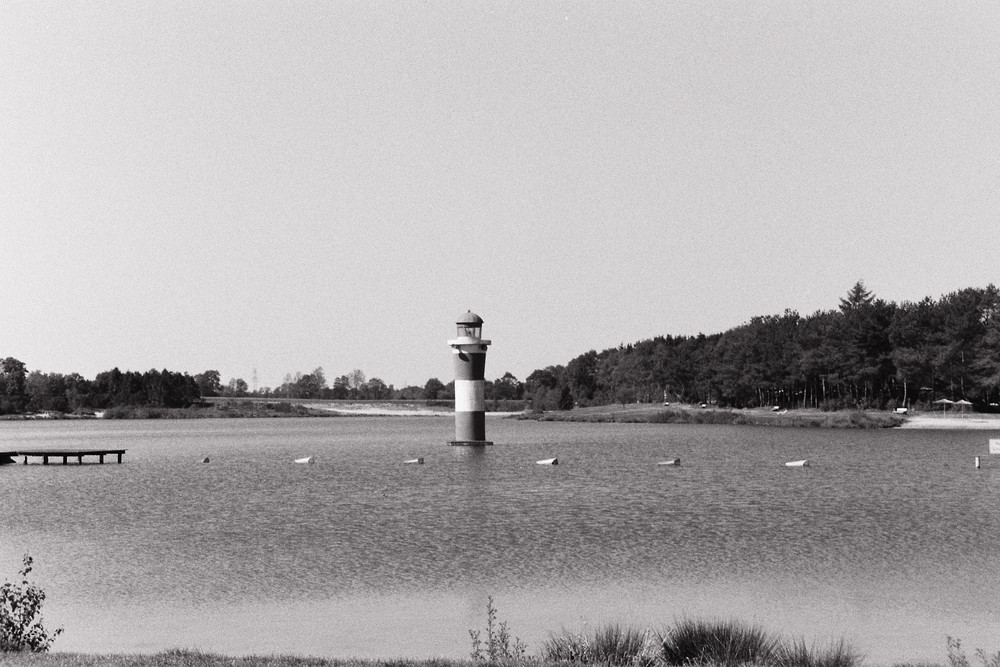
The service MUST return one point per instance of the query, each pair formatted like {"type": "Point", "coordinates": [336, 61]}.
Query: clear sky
{"type": "Point", "coordinates": [287, 185]}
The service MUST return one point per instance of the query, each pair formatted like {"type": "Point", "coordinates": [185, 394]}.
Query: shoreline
{"type": "Point", "coordinates": [652, 413]}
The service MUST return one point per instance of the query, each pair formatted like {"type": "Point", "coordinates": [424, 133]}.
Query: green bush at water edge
{"type": "Point", "coordinates": [21, 626]}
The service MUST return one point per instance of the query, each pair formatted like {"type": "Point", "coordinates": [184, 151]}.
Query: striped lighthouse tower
{"type": "Point", "coordinates": [469, 352]}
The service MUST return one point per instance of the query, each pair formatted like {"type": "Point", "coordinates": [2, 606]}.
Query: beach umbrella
{"type": "Point", "coordinates": [963, 403]}
{"type": "Point", "coordinates": [944, 403]}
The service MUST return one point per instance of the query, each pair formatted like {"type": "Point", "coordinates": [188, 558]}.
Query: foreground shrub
{"type": "Point", "coordinates": [21, 615]}
{"type": "Point", "coordinates": [500, 647]}
{"type": "Point", "coordinates": [717, 643]}
{"type": "Point", "coordinates": [956, 656]}
{"type": "Point", "coordinates": [608, 645]}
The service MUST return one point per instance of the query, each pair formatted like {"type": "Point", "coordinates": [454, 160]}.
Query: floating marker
{"type": "Point", "coordinates": [977, 463]}
{"type": "Point", "coordinates": [804, 463]}
{"type": "Point", "coordinates": [205, 460]}
{"type": "Point", "coordinates": [306, 459]}
{"type": "Point", "coordinates": [417, 460]}
{"type": "Point", "coordinates": [671, 462]}
{"type": "Point", "coordinates": [548, 462]}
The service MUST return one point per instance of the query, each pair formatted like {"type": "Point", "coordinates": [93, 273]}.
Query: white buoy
{"type": "Point", "coordinates": [804, 463]}
{"type": "Point", "coordinates": [977, 463]}
{"type": "Point", "coordinates": [548, 462]}
{"type": "Point", "coordinates": [671, 462]}
{"type": "Point", "coordinates": [417, 460]}
{"type": "Point", "coordinates": [306, 459]}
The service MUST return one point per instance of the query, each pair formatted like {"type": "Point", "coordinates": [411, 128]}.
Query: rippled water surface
{"type": "Point", "coordinates": [891, 539]}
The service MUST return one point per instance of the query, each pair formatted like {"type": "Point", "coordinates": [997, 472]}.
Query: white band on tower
{"type": "Point", "coordinates": [470, 396]}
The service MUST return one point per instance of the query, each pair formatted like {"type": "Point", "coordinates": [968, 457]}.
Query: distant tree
{"type": "Point", "coordinates": [914, 341]}
{"type": "Point", "coordinates": [318, 381]}
{"type": "Point", "coordinates": [356, 381]}
{"type": "Point", "coordinates": [565, 398]}
{"type": "Point", "coordinates": [581, 377]}
{"type": "Point", "coordinates": [310, 385]}
{"type": "Point", "coordinates": [541, 388]}
{"type": "Point", "coordinates": [857, 297]}
{"type": "Point", "coordinates": [409, 393]}
{"type": "Point", "coordinates": [376, 390]}
{"type": "Point", "coordinates": [209, 383]}
{"type": "Point", "coordinates": [77, 391]}
{"type": "Point", "coordinates": [13, 388]}
{"type": "Point", "coordinates": [341, 388]}
{"type": "Point", "coordinates": [155, 388]}
{"type": "Point", "coordinates": [236, 387]}
{"type": "Point", "coordinates": [46, 392]}
{"type": "Point", "coordinates": [985, 366]}
{"type": "Point", "coordinates": [507, 387]}
{"type": "Point", "coordinates": [433, 389]}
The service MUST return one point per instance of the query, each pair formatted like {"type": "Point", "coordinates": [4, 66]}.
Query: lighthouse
{"type": "Point", "coordinates": [469, 352]}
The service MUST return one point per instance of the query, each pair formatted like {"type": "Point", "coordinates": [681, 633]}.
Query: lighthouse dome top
{"type": "Point", "coordinates": [470, 332]}
{"type": "Point", "coordinates": [469, 318]}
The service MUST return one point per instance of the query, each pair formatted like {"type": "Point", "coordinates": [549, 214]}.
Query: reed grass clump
{"type": "Point", "coordinates": [797, 654]}
{"type": "Point", "coordinates": [695, 642]}
{"type": "Point", "coordinates": [607, 645]}
{"type": "Point", "coordinates": [701, 642]}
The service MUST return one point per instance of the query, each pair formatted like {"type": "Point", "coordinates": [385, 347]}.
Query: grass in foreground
{"type": "Point", "coordinates": [193, 658]}
{"type": "Point", "coordinates": [608, 645]}
{"type": "Point", "coordinates": [689, 643]}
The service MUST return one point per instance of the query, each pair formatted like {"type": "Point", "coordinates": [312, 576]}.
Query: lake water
{"type": "Point", "coordinates": [891, 539]}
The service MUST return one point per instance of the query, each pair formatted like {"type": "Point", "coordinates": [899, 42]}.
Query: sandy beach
{"type": "Point", "coordinates": [972, 421]}
{"type": "Point", "coordinates": [390, 409]}
{"type": "Point", "coordinates": [380, 409]}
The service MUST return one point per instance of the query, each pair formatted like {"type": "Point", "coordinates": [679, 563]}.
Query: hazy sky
{"type": "Point", "coordinates": [286, 185]}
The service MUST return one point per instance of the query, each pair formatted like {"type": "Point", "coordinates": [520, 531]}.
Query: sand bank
{"type": "Point", "coordinates": [392, 410]}
{"type": "Point", "coordinates": [971, 421]}
{"type": "Point", "coordinates": [380, 409]}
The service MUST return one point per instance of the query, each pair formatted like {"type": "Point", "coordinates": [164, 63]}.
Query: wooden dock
{"type": "Point", "coordinates": [64, 454]}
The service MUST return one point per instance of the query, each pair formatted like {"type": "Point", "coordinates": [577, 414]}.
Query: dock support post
{"type": "Point", "coordinates": [45, 460]}
{"type": "Point", "coordinates": [79, 459]}
{"type": "Point", "coordinates": [102, 458]}
{"type": "Point", "coordinates": [119, 457]}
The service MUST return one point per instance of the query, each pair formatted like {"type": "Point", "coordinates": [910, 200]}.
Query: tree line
{"type": "Point", "coordinates": [22, 391]}
{"type": "Point", "coordinates": [867, 353]}
{"type": "Point", "coordinates": [355, 386]}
